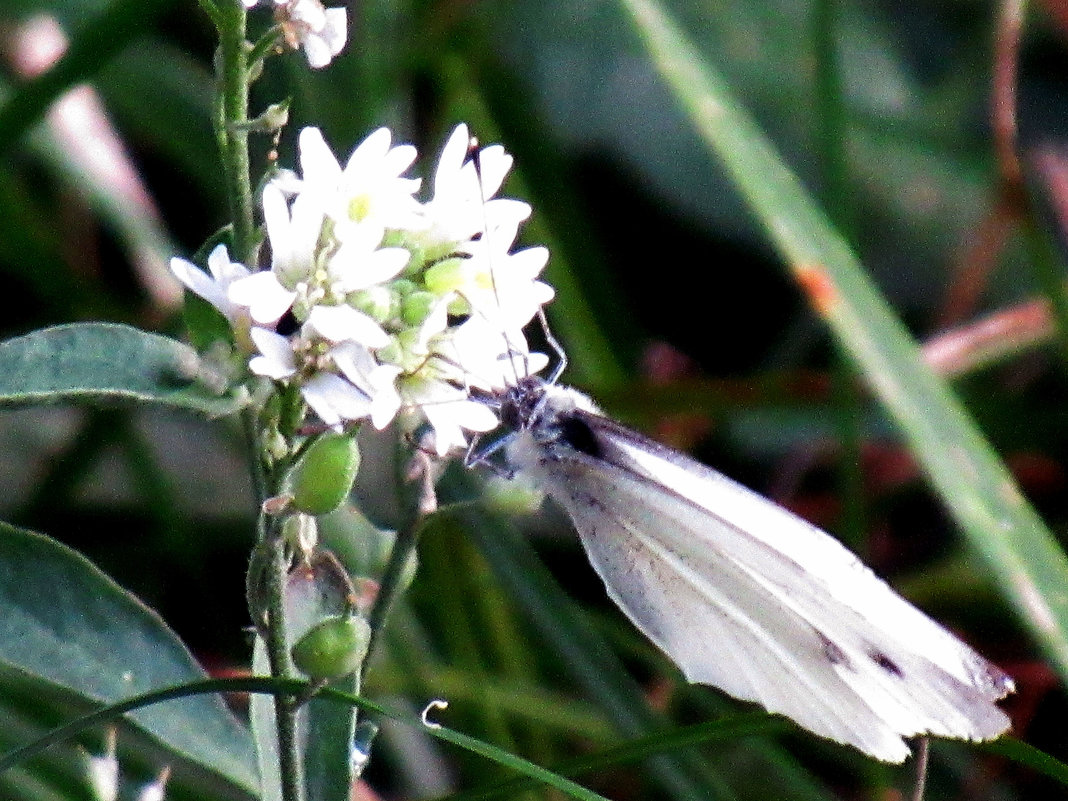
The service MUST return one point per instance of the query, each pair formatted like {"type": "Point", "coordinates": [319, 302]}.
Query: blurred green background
{"type": "Point", "coordinates": [674, 310]}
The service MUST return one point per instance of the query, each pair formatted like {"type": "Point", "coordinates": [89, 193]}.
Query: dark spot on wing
{"type": "Point", "coordinates": [834, 654]}
{"type": "Point", "coordinates": [577, 434]}
{"type": "Point", "coordinates": [885, 662]}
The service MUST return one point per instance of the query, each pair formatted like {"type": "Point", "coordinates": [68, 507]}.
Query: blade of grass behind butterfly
{"type": "Point", "coordinates": [595, 668]}
{"type": "Point", "coordinates": [974, 484]}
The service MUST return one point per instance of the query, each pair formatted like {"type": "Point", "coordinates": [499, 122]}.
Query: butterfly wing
{"type": "Point", "coordinates": [745, 596]}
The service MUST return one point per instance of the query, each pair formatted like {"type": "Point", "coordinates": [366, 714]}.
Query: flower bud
{"type": "Point", "coordinates": [447, 275]}
{"type": "Point", "coordinates": [417, 307]}
{"type": "Point", "coordinates": [377, 302]}
{"type": "Point", "coordinates": [323, 477]}
{"type": "Point", "coordinates": [333, 648]}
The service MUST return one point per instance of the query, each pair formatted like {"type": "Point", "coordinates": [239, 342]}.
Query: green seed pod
{"type": "Point", "coordinates": [323, 477]}
{"type": "Point", "coordinates": [333, 648]}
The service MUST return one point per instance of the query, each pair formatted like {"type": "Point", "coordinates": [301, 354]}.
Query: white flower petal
{"type": "Point", "coordinates": [371, 150]}
{"type": "Point", "coordinates": [222, 269]}
{"type": "Point", "coordinates": [494, 163]}
{"type": "Point", "coordinates": [334, 399]}
{"type": "Point", "coordinates": [386, 401]}
{"type": "Point", "coordinates": [447, 434]}
{"type": "Point", "coordinates": [354, 267]}
{"type": "Point", "coordinates": [317, 163]}
{"type": "Point", "coordinates": [263, 295]}
{"type": "Point", "coordinates": [335, 31]}
{"type": "Point", "coordinates": [199, 283]}
{"type": "Point", "coordinates": [473, 416]}
{"type": "Point", "coordinates": [435, 322]}
{"type": "Point", "coordinates": [309, 12]}
{"type": "Point", "coordinates": [278, 360]}
{"type": "Point", "coordinates": [341, 323]}
{"type": "Point", "coordinates": [452, 158]}
{"type": "Point", "coordinates": [317, 51]}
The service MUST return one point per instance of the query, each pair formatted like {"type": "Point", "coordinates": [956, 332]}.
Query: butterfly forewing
{"type": "Point", "coordinates": [746, 596]}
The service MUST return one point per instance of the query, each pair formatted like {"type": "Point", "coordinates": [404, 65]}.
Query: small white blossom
{"type": "Point", "coordinates": [478, 354]}
{"type": "Point", "coordinates": [329, 395]}
{"type": "Point", "coordinates": [296, 279]}
{"type": "Point", "coordinates": [214, 288]}
{"type": "Point", "coordinates": [322, 32]}
{"type": "Point", "coordinates": [103, 773]}
{"type": "Point", "coordinates": [294, 232]}
{"type": "Point", "coordinates": [370, 190]}
{"type": "Point", "coordinates": [448, 410]}
{"type": "Point", "coordinates": [463, 204]}
{"type": "Point", "coordinates": [155, 790]}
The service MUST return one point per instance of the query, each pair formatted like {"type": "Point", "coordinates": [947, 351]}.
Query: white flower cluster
{"type": "Point", "coordinates": [378, 303]}
{"type": "Point", "coordinates": [322, 32]}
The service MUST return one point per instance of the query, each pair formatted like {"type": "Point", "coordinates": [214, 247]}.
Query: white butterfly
{"type": "Point", "coordinates": [744, 595]}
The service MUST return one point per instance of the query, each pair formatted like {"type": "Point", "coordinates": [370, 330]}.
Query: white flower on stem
{"type": "Point", "coordinates": [463, 204]}
{"type": "Point", "coordinates": [309, 360]}
{"type": "Point", "coordinates": [478, 354]}
{"type": "Point", "coordinates": [449, 411]}
{"type": "Point", "coordinates": [370, 190]}
{"type": "Point", "coordinates": [498, 286]}
{"type": "Point", "coordinates": [294, 231]}
{"type": "Point", "coordinates": [156, 790]}
{"type": "Point", "coordinates": [103, 770]}
{"type": "Point", "coordinates": [214, 288]}
{"type": "Point", "coordinates": [296, 280]}
{"type": "Point", "coordinates": [294, 234]}
{"type": "Point", "coordinates": [377, 380]}
{"type": "Point", "coordinates": [322, 32]}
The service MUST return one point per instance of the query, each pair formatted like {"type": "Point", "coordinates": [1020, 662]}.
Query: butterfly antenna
{"type": "Point", "coordinates": [554, 343]}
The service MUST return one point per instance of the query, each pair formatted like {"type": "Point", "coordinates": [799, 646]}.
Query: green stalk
{"type": "Point", "coordinates": [231, 129]}
{"type": "Point", "coordinates": [231, 132]}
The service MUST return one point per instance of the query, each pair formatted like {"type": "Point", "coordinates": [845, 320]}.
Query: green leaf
{"type": "Point", "coordinates": [64, 622]}
{"type": "Point", "coordinates": [974, 484]}
{"type": "Point", "coordinates": [102, 361]}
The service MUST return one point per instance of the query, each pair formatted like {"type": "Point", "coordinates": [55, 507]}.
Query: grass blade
{"type": "Point", "coordinates": [974, 484]}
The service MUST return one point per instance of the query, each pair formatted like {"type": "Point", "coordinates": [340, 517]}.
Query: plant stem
{"type": "Point", "coordinates": [285, 706]}
{"type": "Point", "coordinates": [231, 131]}
{"type": "Point", "coordinates": [231, 134]}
